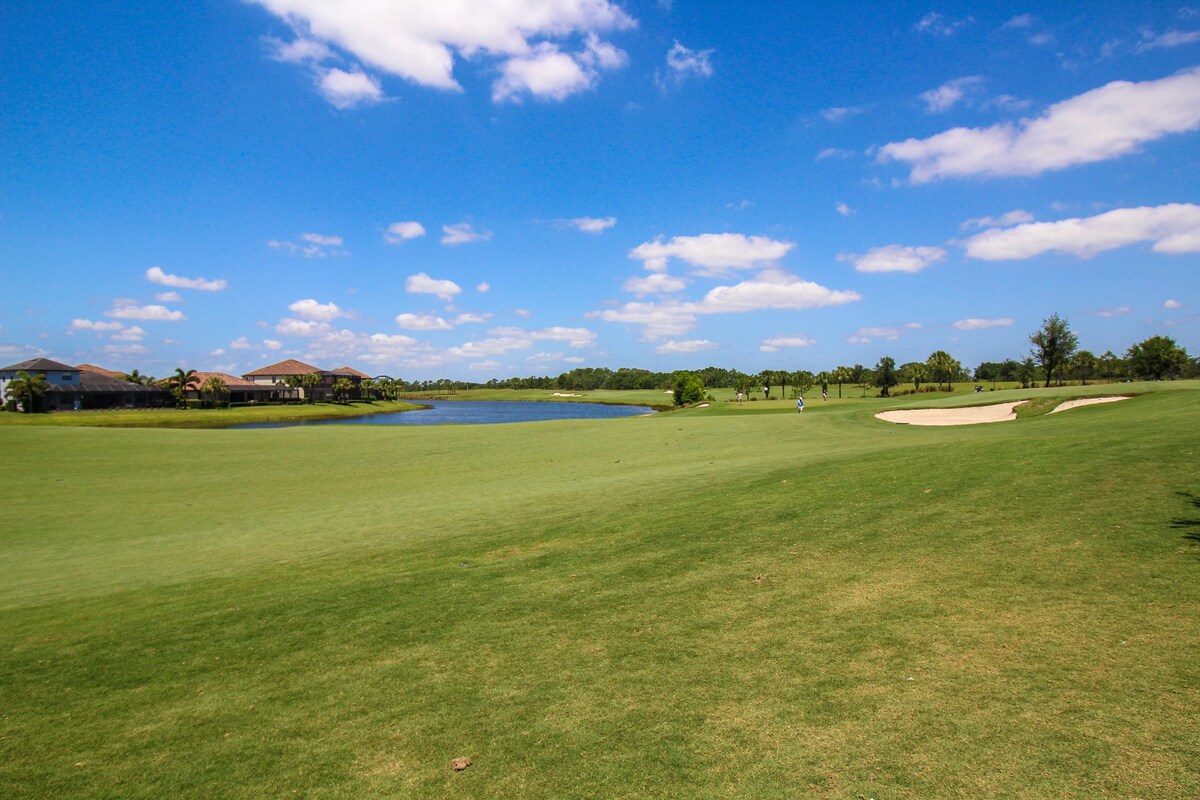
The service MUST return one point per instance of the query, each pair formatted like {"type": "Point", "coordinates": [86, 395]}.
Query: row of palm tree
{"type": "Point", "coordinates": [27, 390]}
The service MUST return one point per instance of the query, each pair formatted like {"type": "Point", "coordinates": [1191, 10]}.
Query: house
{"type": "Point", "coordinates": [278, 374]}
{"type": "Point", "coordinates": [240, 390]}
{"type": "Point", "coordinates": [75, 388]}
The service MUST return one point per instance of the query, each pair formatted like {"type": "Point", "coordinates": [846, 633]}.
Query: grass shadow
{"type": "Point", "coordinates": [1190, 524]}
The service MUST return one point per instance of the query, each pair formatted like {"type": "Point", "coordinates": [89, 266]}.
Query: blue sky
{"type": "Point", "coordinates": [479, 189]}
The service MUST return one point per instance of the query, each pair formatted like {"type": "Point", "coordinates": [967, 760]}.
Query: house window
{"type": "Point", "coordinates": [66, 378]}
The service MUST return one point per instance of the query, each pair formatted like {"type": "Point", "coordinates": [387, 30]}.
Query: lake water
{"type": "Point", "coordinates": [478, 412]}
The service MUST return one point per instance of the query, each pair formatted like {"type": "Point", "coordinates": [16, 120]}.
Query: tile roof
{"type": "Point", "coordinates": [289, 367]}
{"type": "Point", "coordinates": [230, 381]}
{"type": "Point", "coordinates": [352, 371]}
{"type": "Point", "coordinates": [108, 373]}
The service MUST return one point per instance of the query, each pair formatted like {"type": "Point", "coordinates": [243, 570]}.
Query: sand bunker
{"type": "Point", "coordinates": [561, 394]}
{"type": "Point", "coordinates": [975, 415]}
{"type": "Point", "coordinates": [1086, 401]}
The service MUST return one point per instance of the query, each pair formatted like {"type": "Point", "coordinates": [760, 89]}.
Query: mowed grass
{"type": "Point", "coordinates": [710, 603]}
{"type": "Point", "coordinates": [202, 417]}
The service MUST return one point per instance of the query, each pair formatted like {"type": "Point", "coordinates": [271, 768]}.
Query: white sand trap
{"type": "Point", "coordinates": [1086, 401]}
{"type": "Point", "coordinates": [560, 394]}
{"type": "Point", "coordinates": [974, 415]}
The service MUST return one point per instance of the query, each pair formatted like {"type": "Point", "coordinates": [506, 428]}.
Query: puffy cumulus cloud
{"type": "Point", "coordinates": [131, 334]}
{"type": "Point", "coordinates": [420, 41]}
{"type": "Point", "coordinates": [124, 349]}
{"type": "Point", "coordinates": [431, 322]}
{"type": "Point", "coordinates": [168, 297]}
{"type": "Point", "coordinates": [658, 320]}
{"type": "Point", "coordinates": [156, 275]}
{"type": "Point", "coordinates": [1173, 228]}
{"type": "Point", "coordinates": [399, 232]}
{"type": "Point", "coordinates": [574, 337]}
{"type": "Point", "coordinates": [241, 343]}
{"type": "Point", "coordinates": [1172, 305]}
{"type": "Point", "coordinates": [774, 344]}
{"type": "Point", "coordinates": [483, 288]}
{"type": "Point", "coordinates": [591, 224]}
{"type": "Point", "coordinates": [845, 210]}
{"type": "Point", "coordinates": [490, 365]}
{"type": "Point", "coordinates": [772, 289]}
{"type": "Point", "coordinates": [866, 335]}
{"type": "Point", "coordinates": [973, 324]}
{"type": "Point", "coordinates": [684, 63]}
{"type": "Point", "coordinates": [656, 283]}
{"type": "Point", "coordinates": [549, 73]}
{"type": "Point", "coordinates": [522, 312]}
{"type": "Point", "coordinates": [92, 325]}
{"type": "Point", "coordinates": [687, 346]}
{"type": "Point", "coordinates": [315, 245]}
{"type": "Point", "coordinates": [1014, 217]}
{"type": "Point", "coordinates": [463, 233]}
{"type": "Point", "coordinates": [950, 93]}
{"type": "Point", "coordinates": [1104, 123]}
{"type": "Point", "coordinates": [272, 344]}
{"type": "Point", "coordinates": [712, 254]}
{"type": "Point", "coordinates": [129, 309]}
{"type": "Point", "coordinates": [895, 258]}
{"type": "Point", "coordinates": [423, 284]}
{"type": "Point", "coordinates": [344, 89]}
{"type": "Point", "coordinates": [312, 310]}
{"type": "Point", "coordinates": [300, 327]}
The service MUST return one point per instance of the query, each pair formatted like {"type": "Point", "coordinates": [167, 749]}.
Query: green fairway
{"type": "Point", "coordinates": [722, 602]}
{"type": "Point", "coordinates": [201, 417]}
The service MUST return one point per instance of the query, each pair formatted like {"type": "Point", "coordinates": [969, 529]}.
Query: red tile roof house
{"type": "Point", "coordinates": [277, 374]}
{"type": "Point", "coordinates": [239, 390]}
{"type": "Point", "coordinates": [84, 387]}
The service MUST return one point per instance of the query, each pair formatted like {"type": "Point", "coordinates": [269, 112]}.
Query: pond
{"type": "Point", "coordinates": [477, 412]}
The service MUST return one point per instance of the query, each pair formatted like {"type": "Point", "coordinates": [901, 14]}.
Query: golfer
{"type": "Point", "coordinates": [799, 405]}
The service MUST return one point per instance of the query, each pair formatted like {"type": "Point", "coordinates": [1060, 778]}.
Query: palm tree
{"type": "Point", "coordinates": [214, 386]}
{"type": "Point", "coordinates": [310, 382]}
{"type": "Point", "coordinates": [26, 389]}
{"type": "Point", "coordinates": [367, 387]}
{"type": "Point", "coordinates": [179, 383]}
{"type": "Point", "coordinates": [342, 388]}
{"type": "Point", "coordinates": [133, 376]}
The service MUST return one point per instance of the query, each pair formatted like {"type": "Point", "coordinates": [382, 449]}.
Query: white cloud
{"type": "Point", "coordinates": [483, 288]}
{"type": "Point", "coordinates": [220, 351]}
{"type": "Point", "coordinates": [1095, 126]}
{"type": "Point", "coordinates": [546, 72]}
{"type": "Point", "coordinates": [348, 89]}
{"type": "Point", "coordinates": [1120, 311]}
{"type": "Point", "coordinates": [688, 346]}
{"type": "Point", "coordinates": [1014, 217]}
{"type": "Point", "coordinates": [131, 334]}
{"type": "Point", "coordinates": [833, 152]}
{"type": "Point", "coordinates": [1172, 38]}
{"type": "Point", "coordinates": [946, 96]}
{"type": "Point", "coordinates": [522, 312]}
{"type": "Point", "coordinates": [865, 335]}
{"type": "Point", "coordinates": [156, 275]}
{"type": "Point", "coordinates": [772, 289]}
{"type": "Point", "coordinates": [307, 328]}
{"type": "Point", "coordinates": [592, 224]}
{"type": "Point", "coordinates": [90, 325]}
{"type": "Point", "coordinates": [1020, 21]}
{"type": "Point", "coordinates": [654, 284]}
{"type": "Point", "coordinates": [843, 112]}
{"type": "Point", "coordinates": [129, 309]}
{"type": "Point", "coordinates": [124, 349]}
{"type": "Point", "coordinates": [774, 344]}
{"type": "Point", "coordinates": [311, 309]}
{"type": "Point", "coordinates": [420, 41]}
{"type": "Point", "coordinates": [463, 233]}
{"type": "Point", "coordinates": [684, 63]}
{"type": "Point", "coordinates": [423, 322]}
{"type": "Point", "coordinates": [896, 258]}
{"type": "Point", "coordinates": [1174, 228]}
{"type": "Point", "coordinates": [490, 365]}
{"type": "Point", "coordinates": [168, 297]}
{"type": "Point", "coordinates": [1172, 304]}
{"type": "Point", "coordinates": [272, 344]}
{"type": "Point", "coordinates": [935, 24]}
{"type": "Point", "coordinates": [315, 246]}
{"type": "Point", "coordinates": [241, 343]}
{"type": "Point", "coordinates": [714, 254]}
{"type": "Point", "coordinates": [982, 324]}
{"type": "Point", "coordinates": [399, 232]}
{"type": "Point", "coordinates": [844, 210]}
{"type": "Point", "coordinates": [423, 284]}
